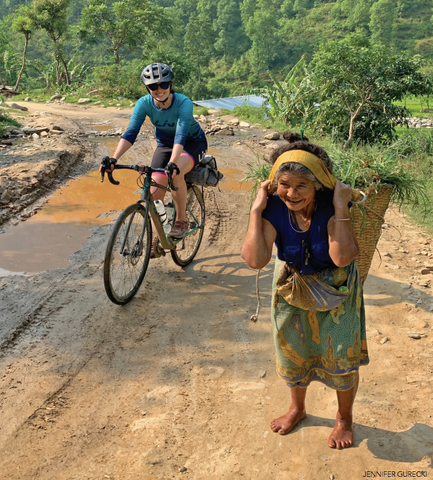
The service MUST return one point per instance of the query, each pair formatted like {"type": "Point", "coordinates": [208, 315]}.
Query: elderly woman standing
{"type": "Point", "coordinates": [318, 310]}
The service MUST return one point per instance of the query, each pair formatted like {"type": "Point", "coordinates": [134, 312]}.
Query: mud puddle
{"type": "Point", "coordinates": [46, 240]}
{"type": "Point", "coordinates": [233, 180]}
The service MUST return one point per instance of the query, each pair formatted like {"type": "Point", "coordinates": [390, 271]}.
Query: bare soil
{"type": "Point", "coordinates": [180, 383]}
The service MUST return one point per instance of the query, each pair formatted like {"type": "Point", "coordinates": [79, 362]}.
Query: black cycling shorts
{"type": "Point", "coordinates": [196, 150]}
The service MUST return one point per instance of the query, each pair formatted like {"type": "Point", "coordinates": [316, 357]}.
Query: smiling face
{"type": "Point", "coordinates": [160, 94]}
{"type": "Point", "coordinates": [296, 191]}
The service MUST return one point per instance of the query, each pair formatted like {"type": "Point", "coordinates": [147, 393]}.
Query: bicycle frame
{"type": "Point", "coordinates": [146, 197]}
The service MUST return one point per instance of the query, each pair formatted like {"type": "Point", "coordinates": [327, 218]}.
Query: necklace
{"type": "Point", "coordinates": [295, 221]}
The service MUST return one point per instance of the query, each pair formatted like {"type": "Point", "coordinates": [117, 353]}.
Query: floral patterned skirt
{"type": "Point", "coordinates": [325, 340]}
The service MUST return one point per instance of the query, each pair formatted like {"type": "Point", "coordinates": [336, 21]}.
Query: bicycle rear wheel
{"type": "Point", "coordinates": [187, 248]}
{"type": "Point", "coordinates": [127, 254]}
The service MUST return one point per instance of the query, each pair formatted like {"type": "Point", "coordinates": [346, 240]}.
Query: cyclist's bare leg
{"type": "Point", "coordinates": [159, 193]}
{"type": "Point", "coordinates": [185, 164]}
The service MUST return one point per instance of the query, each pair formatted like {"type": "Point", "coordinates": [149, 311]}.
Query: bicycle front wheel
{"type": "Point", "coordinates": [127, 255]}
{"type": "Point", "coordinates": [187, 248]}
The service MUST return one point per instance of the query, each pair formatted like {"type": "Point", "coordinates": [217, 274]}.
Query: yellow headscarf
{"type": "Point", "coordinates": [313, 163]}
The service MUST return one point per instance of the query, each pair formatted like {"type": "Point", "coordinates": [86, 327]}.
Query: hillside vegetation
{"type": "Point", "coordinates": [217, 47]}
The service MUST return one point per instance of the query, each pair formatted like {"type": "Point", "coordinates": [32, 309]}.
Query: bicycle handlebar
{"type": "Point", "coordinates": [106, 167]}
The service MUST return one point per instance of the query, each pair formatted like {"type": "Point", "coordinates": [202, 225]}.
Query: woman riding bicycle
{"type": "Point", "coordinates": [181, 142]}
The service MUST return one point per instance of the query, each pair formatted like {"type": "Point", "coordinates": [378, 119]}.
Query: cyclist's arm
{"type": "Point", "coordinates": [122, 147]}
{"type": "Point", "coordinates": [176, 152]}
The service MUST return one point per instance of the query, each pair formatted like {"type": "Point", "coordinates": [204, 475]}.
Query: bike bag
{"type": "Point", "coordinates": [205, 174]}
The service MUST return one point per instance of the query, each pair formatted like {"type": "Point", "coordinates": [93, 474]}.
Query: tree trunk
{"type": "Point", "coordinates": [2, 83]}
{"type": "Point", "coordinates": [116, 62]}
{"type": "Point", "coordinates": [68, 80]}
{"type": "Point", "coordinates": [17, 84]}
{"type": "Point", "coordinates": [352, 119]}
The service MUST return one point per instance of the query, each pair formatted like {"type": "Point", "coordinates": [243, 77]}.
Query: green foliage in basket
{"type": "Point", "coordinates": [368, 168]}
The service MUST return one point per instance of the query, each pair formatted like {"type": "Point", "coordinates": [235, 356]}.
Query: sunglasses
{"type": "Point", "coordinates": [154, 86]}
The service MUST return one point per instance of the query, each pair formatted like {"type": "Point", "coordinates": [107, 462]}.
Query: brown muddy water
{"type": "Point", "coordinates": [233, 180]}
{"type": "Point", "coordinates": [46, 240]}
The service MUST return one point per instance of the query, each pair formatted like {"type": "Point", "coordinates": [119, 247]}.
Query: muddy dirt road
{"type": "Point", "coordinates": [179, 383]}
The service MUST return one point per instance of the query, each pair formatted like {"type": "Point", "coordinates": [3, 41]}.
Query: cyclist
{"type": "Point", "coordinates": [181, 142]}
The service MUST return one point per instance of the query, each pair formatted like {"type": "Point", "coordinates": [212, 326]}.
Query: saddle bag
{"type": "Point", "coordinates": [205, 174]}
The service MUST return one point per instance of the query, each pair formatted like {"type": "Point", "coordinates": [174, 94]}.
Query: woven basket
{"type": "Point", "coordinates": [368, 226]}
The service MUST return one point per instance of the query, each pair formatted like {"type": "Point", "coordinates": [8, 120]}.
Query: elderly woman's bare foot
{"type": "Point", "coordinates": [286, 423]}
{"type": "Point", "coordinates": [342, 435]}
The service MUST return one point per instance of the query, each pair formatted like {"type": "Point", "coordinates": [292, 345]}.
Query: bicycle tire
{"type": "Point", "coordinates": [187, 248]}
{"type": "Point", "coordinates": [124, 271]}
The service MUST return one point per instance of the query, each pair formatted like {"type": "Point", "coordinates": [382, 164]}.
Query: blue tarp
{"type": "Point", "coordinates": [231, 102]}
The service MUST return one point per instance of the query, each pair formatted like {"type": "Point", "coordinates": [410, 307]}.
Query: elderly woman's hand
{"type": "Point", "coordinates": [262, 197]}
{"type": "Point", "coordinates": [342, 195]}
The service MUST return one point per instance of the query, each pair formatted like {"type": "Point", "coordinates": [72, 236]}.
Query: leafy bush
{"type": "Point", "coordinates": [6, 120]}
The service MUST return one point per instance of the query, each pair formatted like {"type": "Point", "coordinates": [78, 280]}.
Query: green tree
{"type": "Point", "coordinates": [360, 84]}
{"type": "Point", "coordinates": [52, 16]}
{"type": "Point", "coordinates": [383, 13]}
{"type": "Point", "coordinates": [231, 39]}
{"type": "Point", "coordinates": [260, 18]}
{"type": "Point", "coordinates": [126, 25]}
{"type": "Point", "coordinates": [22, 24]}
{"type": "Point", "coordinates": [199, 41]}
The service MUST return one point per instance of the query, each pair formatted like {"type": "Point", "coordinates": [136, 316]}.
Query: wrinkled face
{"type": "Point", "coordinates": [296, 191]}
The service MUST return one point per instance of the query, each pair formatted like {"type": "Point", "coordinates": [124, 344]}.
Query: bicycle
{"type": "Point", "coordinates": [128, 250]}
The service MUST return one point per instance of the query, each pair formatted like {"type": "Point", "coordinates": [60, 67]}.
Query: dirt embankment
{"type": "Point", "coordinates": [179, 383]}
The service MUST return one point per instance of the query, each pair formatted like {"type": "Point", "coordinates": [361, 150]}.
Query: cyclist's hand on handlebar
{"type": "Point", "coordinates": [172, 169]}
{"type": "Point", "coordinates": [108, 163]}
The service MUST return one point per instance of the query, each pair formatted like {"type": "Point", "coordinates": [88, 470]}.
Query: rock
{"type": "Point", "coordinates": [420, 325]}
{"type": "Point", "coordinates": [424, 271]}
{"type": "Point", "coordinates": [63, 99]}
{"type": "Point", "coordinates": [84, 100]}
{"type": "Point", "coordinates": [244, 125]}
{"type": "Point", "coordinates": [264, 142]}
{"type": "Point", "coordinates": [272, 136]}
{"type": "Point", "coordinates": [6, 197]}
{"type": "Point", "coordinates": [27, 99]}
{"type": "Point", "coordinates": [225, 131]}
{"type": "Point", "coordinates": [384, 340]}
{"type": "Point", "coordinates": [121, 98]}
{"type": "Point", "coordinates": [56, 127]}
{"type": "Point", "coordinates": [393, 266]}
{"type": "Point", "coordinates": [182, 469]}
{"type": "Point", "coordinates": [56, 132]}
{"type": "Point", "coordinates": [418, 378]}
{"type": "Point", "coordinates": [35, 136]}
{"type": "Point", "coordinates": [214, 111]}
{"type": "Point", "coordinates": [234, 122]}
{"type": "Point", "coordinates": [7, 142]}
{"type": "Point", "coordinates": [57, 96]}
{"type": "Point", "coordinates": [262, 374]}
{"type": "Point", "coordinates": [416, 336]}
{"type": "Point", "coordinates": [32, 130]}
{"type": "Point", "coordinates": [19, 107]}
{"type": "Point", "coordinates": [44, 134]}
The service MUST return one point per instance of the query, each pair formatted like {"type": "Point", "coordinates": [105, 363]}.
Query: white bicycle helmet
{"type": "Point", "coordinates": [156, 73]}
